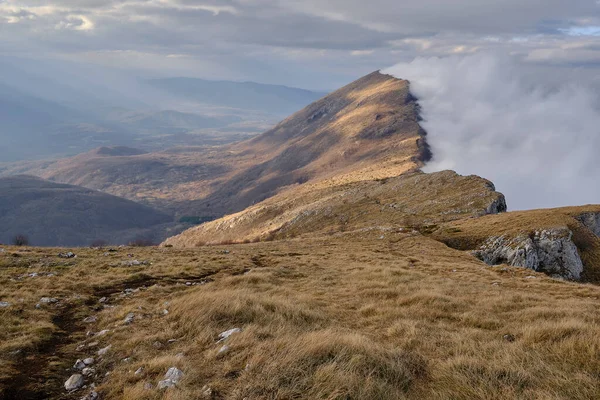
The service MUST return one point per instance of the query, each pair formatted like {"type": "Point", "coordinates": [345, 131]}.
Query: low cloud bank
{"type": "Point", "coordinates": [537, 138]}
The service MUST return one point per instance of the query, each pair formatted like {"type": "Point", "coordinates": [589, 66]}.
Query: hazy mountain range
{"type": "Point", "coordinates": [45, 116]}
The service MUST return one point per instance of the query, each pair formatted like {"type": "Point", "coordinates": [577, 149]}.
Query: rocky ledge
{"type": "Point", "coordinates": [551, 251]}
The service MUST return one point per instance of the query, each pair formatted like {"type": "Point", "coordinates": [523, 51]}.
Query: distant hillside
{"type": "Point", "coordinates": [272, 99]}
{"type": "Point", "coordinates": [366, 130]}
{"type": "Point", "coordinates": [53, 214]}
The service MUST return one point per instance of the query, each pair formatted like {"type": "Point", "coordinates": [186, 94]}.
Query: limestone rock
{"type": "Point", "coordinates": [79, 365]}
{"type": "Point", "coordinates": [172, 377]}
{"type": "Point", "coordinates": [93, 395]}
{"type": "Point", "coordinates": [74, 382]}
{"type": "Point", "coordinates": [105, 350]}
{"type": "Point", "coordinates": [129, 318]}
{"type": "Point", "coordinates": [48, 300]}
{"type": "Point", "coordinates": [550, 251]}
{"type": "Point", "coordinates": [591, 221]}
{"type": "Point", "coordinates": [224, 335]}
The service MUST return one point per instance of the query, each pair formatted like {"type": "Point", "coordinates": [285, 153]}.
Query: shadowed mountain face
{"type": "Point", "coordinates": [52, 214]}
{"type": "Point", "coordinates": [366, 130]}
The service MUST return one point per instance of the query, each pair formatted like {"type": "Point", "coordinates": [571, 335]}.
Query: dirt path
{"type": "Point", "coordinates": [43, 373]}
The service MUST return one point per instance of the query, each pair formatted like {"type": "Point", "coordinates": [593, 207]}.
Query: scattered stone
{"type": "Point", "coordinates": [530, 277]}
{"type": "Point", "coordinates": [33, 275]}
{"type": "Point", "coordinates": [132, 263]}
{"type": "Point", "coordinates": [126, 359]}
{"type": "Point", "coordinates": [206, 391]}
{"type": "Point", "coordinates": [157, 345]}
{"type": "Point", "coordinates": [74, 382]}
{"type": "Point", "coordinates": [90, 320]}
{"type": "Point", "coordinates": [88, 371]}
{"type": "Point", "coordinates": [70, 254]}
{"type": "Point", "coordinates": [105, 350]}
{"type": "Point", "coordinates": [102, 332]}
{"type": "Point", "coordinates": [172, 377]}
{"type": "Point", "coordinates": [48, 300]}
{"type": "Point", "coordinates": [139, 371]}
{"type": "Point", "coordinates": [148, 386]}
{"type": "Point", "coordinates": [38, 306]}
{"type": "Point", "coordinates": [179, 355]}
{"type": "Point", "coordinates": [223, 349]}
{"type": "Point", "coordinates": [93, 344]}
{"type": "Point", "coordinates": [80, 347]}
{"type": "Point", "coordinates": [79, 365]}
{"type": "Point", "coordinates": [129, 318]}
{"type": "Point", "coordinates": [495, 283]}
{"type": "Point", "coordinates": [93, 395]}
{"type": "Point", "coordinates": [88, 361]}
{"type": "Point", "coordinates": [188, 284]}
{"type": "Point", "coordinates": [4, 304]}
{"type": "Point", "coordinates": [103, 300]}
{"type": "Point", "coordinates": [171, 341]}
{"type": "Point", "coordinates": [509, 338]}
{"type": "Point", "coordinates": [224, 335]}
{"type": "Point", "coordinates": [165, 312]}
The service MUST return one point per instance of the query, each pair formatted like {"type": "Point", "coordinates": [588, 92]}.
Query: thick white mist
{"type": "Point", "coordinates": [538, 142]}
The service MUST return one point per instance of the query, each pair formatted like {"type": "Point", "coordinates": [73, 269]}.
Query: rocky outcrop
{"type": "Point", "coordinates": [551, 251]}
{"type": "Point", "coordinates": [498, 205]}
{"type": "Point", "coordinates": [591, 220]}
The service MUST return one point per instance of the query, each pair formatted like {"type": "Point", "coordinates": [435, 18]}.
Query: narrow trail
{"type": "Point", "coordinates": [43, 371]}
{"type": "Point", "coordinates": [40, 372]}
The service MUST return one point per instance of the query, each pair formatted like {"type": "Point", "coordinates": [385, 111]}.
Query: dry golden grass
{"type": "Point", "coordinates": [366, 130]}
{"type": "Point", "coordinates": [410, 200]}
{"type": "Point", "coordinates": [357, 315]}
{"type": "Point", "coordinates": [469, 234]}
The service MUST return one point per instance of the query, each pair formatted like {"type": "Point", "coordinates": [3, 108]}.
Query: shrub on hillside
{"type": "Point", "coordinates": [20, 240]}
{"type": "Point", "coordinates": [142, 242]}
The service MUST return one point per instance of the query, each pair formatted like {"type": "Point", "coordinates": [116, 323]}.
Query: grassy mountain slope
{"type": "Point", "coordinates": [409, 200]}
{"type": "Point", "coordinates": [366, 130]}
{"type": "Point", "coordinates": [380, 314]}
{"type": "Point", "coordinates": [57, 214]}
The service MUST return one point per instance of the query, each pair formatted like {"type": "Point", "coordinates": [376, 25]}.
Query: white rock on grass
{"type": "Point", "coordinates": [79, 364]}
{"type": "Point", "coordinates": [74, 382]}
{"type": "Point", "coordinates": [93, 395]}
{"type": "Point", "coordinates": [87, 371]}
{"type": "Point", "coordinates": [172, 377]}
{"type": "Point", "coordinates": [224, 335]}
{"type": "Point", "coordinates": [105, 350]}
{"type": "Point", "coordinates": [223, 349]}
{"type": "Point", "coordinates": [139, 371]}
{"type": "Point", "coordinates": [129, 318]}
{"type": "Point", "coordinates": [90, 320]}
{"type": "Point", "coordinates": [4, 304]}
{"type": "Point", "coordinates": [88, 361]}
{"type": "Point", "coordinates": [48, 300]}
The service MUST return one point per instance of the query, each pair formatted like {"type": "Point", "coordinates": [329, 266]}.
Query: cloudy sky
{"type": "Point", "coordinates": [309, 43]}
